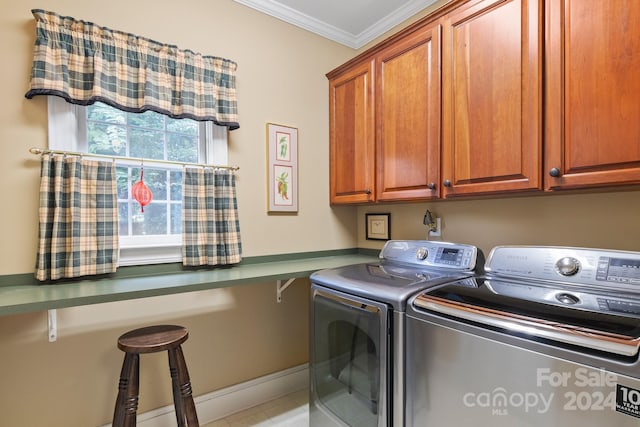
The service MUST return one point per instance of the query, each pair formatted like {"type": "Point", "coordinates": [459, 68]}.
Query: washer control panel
{"type": "Point", "coordinates": [600, 268]}
{"type": "Point", "coordinates": [431, 253]}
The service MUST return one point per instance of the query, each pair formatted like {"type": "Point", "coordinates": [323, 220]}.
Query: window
{"type": "Point", "coordinates": [155, 235]}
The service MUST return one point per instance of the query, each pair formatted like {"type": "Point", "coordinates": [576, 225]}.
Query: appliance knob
{"type": "Point", "coordinates": [567, 298]}
{"type": "Point", "coordinates": [568, 266]}
{"type": "Point", "coordinates": [422, 253]}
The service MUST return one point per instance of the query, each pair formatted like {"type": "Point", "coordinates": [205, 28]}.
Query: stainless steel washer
{"type": "Point", "coordinates": [357, 330]}
{"type": "Point", "coordinates": [549, 336]}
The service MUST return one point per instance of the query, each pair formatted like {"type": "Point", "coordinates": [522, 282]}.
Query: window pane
{"type": "Point", "coordinates": [186, 126]}
{"type": "Point", "coordinates": [148, 119]}
{"type": "Point", "coordinates": [152, 221]}
{"type": "Point", "coordinates": [175, 184]}
{"type": "Point", "coordinates": [182, 148]}
{"type": "Point", "coordinates": [176, 218]}
{"type": "Point", "coordinates": [104, 113]}
{"type": "Point", "coordinates": [137, 222]}
{"type": "Point", "coordinates": [146, 144]}
{"type": "Point", "coordinates": [103, 138]}
{"type": "Point", "coordinates": [123, 219]}
{"type": "Point", "coordinates": [122, 182]}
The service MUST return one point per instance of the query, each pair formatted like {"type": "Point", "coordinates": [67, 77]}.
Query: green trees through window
{"type": "Point", "coordinates": [147, 136]}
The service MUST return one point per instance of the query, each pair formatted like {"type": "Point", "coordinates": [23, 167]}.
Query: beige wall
{"type": "Point", "coordinates": [236, 334]}
{"type": "Point", "coordinates": [601, 220]}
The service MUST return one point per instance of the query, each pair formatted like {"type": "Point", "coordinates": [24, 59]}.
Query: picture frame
{"type": "Point", "coordinates": [378, 226]}
{"type": "Point", "coordinates": [282, 167]}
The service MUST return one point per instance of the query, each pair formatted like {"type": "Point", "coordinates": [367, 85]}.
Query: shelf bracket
{"type": "Point", "coordinates": [280, 288]}
{"type": "Point", "coordinates": [52, 320]}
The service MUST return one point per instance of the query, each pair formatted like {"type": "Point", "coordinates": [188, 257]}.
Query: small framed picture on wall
{"type": "Point", "coordinates": [378, 226]}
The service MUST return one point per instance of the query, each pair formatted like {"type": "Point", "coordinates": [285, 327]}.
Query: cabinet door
{"type": "Point", "coordinates": [492, 97]}
{"type": "Point", "coordinates": [352, 139]}
{"type": "Point", "coordinates": [408, 117]}
{"type": "Point", "coordinates": [593, 93]}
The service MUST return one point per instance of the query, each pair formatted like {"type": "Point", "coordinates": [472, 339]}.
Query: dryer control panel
{"type": "Point", "coordinates": [431, 253]}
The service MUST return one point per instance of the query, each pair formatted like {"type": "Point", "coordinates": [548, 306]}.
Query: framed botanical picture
{"type": "Point", "coordinates": [282, 180]}
{"type": "Point", "coordinates": [378, 226]}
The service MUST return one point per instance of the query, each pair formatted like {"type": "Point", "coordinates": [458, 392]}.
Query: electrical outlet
{"type": "Point", "coordinates": [438, 231]}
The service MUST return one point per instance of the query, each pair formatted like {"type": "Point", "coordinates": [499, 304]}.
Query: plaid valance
{"type": "Point", "coordinates": [84, 63]}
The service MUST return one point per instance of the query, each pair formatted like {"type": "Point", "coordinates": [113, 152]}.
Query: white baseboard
{"type": "Point", "coordinates": [221, 403]}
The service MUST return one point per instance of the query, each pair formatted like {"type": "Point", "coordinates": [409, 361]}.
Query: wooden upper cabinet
{"type": "Point", "coordinates": [593, 93]}
{"type": "Point", "coordinates": [492, 95]}
{"type": "Point", "coordinates": [408, 117]}
{"type": "Point", "coordinates": [352, 135]}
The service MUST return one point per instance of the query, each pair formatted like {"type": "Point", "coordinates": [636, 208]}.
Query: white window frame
{"type": "Point", "coordinates": [67, 132]}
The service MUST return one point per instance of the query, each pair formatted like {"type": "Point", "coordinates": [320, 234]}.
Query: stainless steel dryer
{"type": "Point", "coordinates": [549, 336]}
{"type": "Point", "coordinates": [357, 330]}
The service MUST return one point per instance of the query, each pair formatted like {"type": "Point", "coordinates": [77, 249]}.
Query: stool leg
{"type": "Point", "coordinates": [182, 397]}
{"type": "Point", "coordinates": [127, 401]}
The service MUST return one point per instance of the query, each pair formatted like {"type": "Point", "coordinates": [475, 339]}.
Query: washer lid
{"type": "Point", "coordinates": [595, 321]}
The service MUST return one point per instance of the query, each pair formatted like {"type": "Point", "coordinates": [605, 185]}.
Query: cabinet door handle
{"type": "Point", "coordinates": [447, 183]}
{"type": "Point", "coordinates": [555, 172]}
{"type": "Point", "coordinates": [432, 186]}
{"type": "Point", "coordinates": [367, 191]}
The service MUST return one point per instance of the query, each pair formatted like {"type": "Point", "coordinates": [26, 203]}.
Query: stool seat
{"type": "Point", "coordinates": [154, 339]}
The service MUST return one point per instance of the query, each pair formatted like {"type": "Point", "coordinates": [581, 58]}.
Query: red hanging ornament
{"type": "Point", "coordinates": [141, 193]}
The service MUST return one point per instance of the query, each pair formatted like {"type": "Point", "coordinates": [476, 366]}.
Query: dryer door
{"type": "Point", "coordinates": [349, 360]}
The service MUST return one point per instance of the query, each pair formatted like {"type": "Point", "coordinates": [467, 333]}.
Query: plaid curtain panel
{"type": "Point", "coordinates": [210, 225]}
{"type": "Point", "coordinates": [83, 63]}
{"type": "Point", "coordinates": [78, 225]}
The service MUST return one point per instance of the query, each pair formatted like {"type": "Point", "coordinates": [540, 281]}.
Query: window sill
{"type": "Point", "coordinates": [22, 294]}
{"type": "Point", "coordinates": [145, 255]}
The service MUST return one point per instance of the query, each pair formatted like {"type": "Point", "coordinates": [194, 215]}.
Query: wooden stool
{"type": "Point", "coordinates": [153, 339]}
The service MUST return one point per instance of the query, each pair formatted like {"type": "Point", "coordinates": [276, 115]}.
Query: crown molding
{"type": "Point", "coordinates": [393, 19]}
{"type": "Point", "coordinates": [292, 16]}
{"type": "Point", "coordinates": [355, 41]}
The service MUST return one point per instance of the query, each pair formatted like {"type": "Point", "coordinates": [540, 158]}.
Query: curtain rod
{"type": "Point", "coordinates": [40, 151]}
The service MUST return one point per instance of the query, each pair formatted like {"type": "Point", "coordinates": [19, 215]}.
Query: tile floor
{"type": "Point", "coordinates": [291, 410]}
